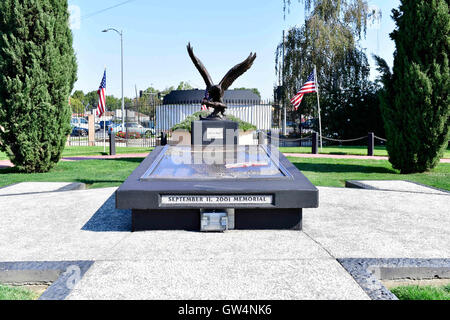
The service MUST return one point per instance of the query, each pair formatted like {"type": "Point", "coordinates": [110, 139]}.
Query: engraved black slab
{"type": "Point", "coordinates": [215, 132]}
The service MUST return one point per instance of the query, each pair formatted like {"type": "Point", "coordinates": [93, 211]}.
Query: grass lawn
{"type": "Point", "coordinates": [348, 150]}
{"type": "Point", "coordinates": [93, 151]}
{"type": "Point", "coordinates": [10, 293]}
{"type": "Point", "coordinates": [415, 292]}
{"type": "Point", "coordinates": [98, 151]}
{"type": "Point", "coordinates": [334, 172]}
{"type": "Point", "coordinates": [94, 173]}
{"type": "Point", "coordinates": [321, 172]}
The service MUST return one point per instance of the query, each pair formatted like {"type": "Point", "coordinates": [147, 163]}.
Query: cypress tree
{"type": "Point", "coordinates": [415, 104]}
{"type": "Point", "coordinates": [37, 73]}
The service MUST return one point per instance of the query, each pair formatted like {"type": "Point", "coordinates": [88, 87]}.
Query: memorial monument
{"type": "Point", "coordinates": [215, 184]}
{"type": "Point", "coordinates": [216, 92]}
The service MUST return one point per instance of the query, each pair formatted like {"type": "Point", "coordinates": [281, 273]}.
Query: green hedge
{"type": "Point", "coordinates": [186, 124]}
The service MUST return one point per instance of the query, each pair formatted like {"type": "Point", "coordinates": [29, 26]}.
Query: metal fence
{"type": "Point", "coordinates": [145, 123]}
{"type": "Point", "coordinates": [123, 139]}
{"type": "Point", "coordinates": [259, 113]}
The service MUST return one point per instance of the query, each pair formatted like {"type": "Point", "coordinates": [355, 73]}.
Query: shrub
{"type": "Point", "coordinates": [130, 135]}
{"type": "Point", "coordinates": [37, 73]}
{"type": "Point", "coordinates": [415, 103]}
{"type": "Point", "coordinates": [186, 124]}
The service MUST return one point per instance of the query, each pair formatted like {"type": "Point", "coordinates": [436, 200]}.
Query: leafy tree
{"type": "Point", "coordinates": [166, 91]}
{"type": "Point", "coordinates": [184, 86]}
{"type": "Point", "coordinates": [352, 113]}
{"type": "Point", "coordinates": [112, 103]}
{"type": "Point", "coordinates": [415, 102]}
{"type": "Point", "coordinates": [77, 102]}
{"type": "Point", "coordinates": [76, 105]}
{"type": "Point", "coordinates": [150, 96]}
{"type": "Point", "coordinates": [329, 39]}
{"type": "Point", "coordinates": [353, 13]}
{"type": "Point", "coordinates": [78, 94]}
{"type": "Point", "coordinates": [91, 99]}
{"type": "Point", "coordinates": [38, 69]}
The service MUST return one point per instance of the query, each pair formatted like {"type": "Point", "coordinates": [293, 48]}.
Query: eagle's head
{"type": "Point", "coordinates": [215, 93]}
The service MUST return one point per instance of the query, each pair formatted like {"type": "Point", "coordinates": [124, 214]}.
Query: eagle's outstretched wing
{"type": "Point", "coordinates": [200, 67]}
{"type": "Point", "coordinates": [237, 71]}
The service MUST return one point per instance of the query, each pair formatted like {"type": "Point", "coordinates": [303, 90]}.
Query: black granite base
{"type": "Point", "coordinates": [268, 219]}
{"type": "Point", "coordinates": [189, 219]}
{"type": "Point", "coordinates": [214, 132]}
{"type": "Point", "coordinates": [173, 219]}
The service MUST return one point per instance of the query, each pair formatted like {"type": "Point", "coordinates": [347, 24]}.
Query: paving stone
{"type": "Point", "coordinates": [394, 185]}
{"type": "Point", "coordinates": [220, 279]}
{"type": "Point", "coordinates": [379, 224]}
{"type": "Point", "coordinates": [40, 187]}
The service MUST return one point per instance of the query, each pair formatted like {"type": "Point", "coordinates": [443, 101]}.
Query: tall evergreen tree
{"type": "Point", "coordinates": [37, 73]}
{"type": "Point", "coordinates": [415, 103]}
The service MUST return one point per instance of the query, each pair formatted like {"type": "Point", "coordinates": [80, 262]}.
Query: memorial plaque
{"type": "Point", "coordinates": [221, 132]}
{"type": "Point", "coordinates": [216, 199]}
{"type": "Point", "coordinates": [214, 133]}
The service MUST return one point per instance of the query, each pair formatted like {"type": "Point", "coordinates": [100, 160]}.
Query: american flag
{"type": "Point", "coordinates": [308, 87]}
{"type": "Point", "coordinates": [204, 107]}
{"type": "Point", "coordinates": [102, 97]}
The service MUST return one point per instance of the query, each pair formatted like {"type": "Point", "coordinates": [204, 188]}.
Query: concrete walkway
{"type": "Point", "coordinates": [84, 225]}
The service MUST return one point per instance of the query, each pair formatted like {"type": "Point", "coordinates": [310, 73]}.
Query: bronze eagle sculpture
{"type": "Point", "coordinates": [216, 92]}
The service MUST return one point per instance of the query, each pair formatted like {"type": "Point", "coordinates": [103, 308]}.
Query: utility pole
{"type": "Point", "coordinates": [318, 107]}
{"type": "Point", "coordinates": [283, 90]}
{"type": "Point", "coordinates": [120, 33]}
{"type": "Point", "coordinates": [137, 103]}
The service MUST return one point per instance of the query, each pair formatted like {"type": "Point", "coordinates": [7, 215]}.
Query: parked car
{"type": "Point", "coordinates": [79, 132]}
{"type": "Point", "coordinates": [148, 124]}
{"type": "Point", "coordinates": [133, 127]}
{"type": "Point", "coordinates": [309, 124]}
{"type": "Point", "coordinates": [79, 122]}
{"type": "Point", "coordinates": [113, 126]}
{"type": "Point", "coordinates": [290, 124]}
{"type": "Point", "coordinates": [82, 123]}
{"type": "Point", "coordinates": [107, 123]}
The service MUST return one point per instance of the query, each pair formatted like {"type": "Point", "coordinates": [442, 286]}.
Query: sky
{"type": "Point", "coordinates": [222, 33]}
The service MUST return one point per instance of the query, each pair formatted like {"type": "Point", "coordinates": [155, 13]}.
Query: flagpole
{"type": "Point", "coordinates": [283, 92]}
{"type": "Point", "coordinates": [318, 106]}
{"type": "Point", "coordinates": [104, 125]}
{"type": "Point", "coordinates": [104, 133]}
